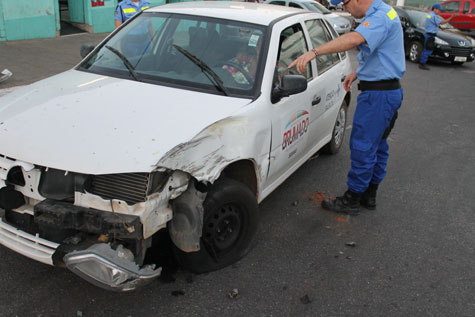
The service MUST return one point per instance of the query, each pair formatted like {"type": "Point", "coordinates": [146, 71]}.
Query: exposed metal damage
{"type": "Point", "coordinates": [71, 218]}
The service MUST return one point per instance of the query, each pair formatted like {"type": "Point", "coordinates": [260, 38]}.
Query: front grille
{"type": "Point", "coordinates": [460, 51]}
{"type": "Point", "coordinates": [130, 187]}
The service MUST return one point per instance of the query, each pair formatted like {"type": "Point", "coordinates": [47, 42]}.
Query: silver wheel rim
{"type": "Point", "coordinates": [413, 54]}
{"type": "Point", "coordinates": [339, 127]}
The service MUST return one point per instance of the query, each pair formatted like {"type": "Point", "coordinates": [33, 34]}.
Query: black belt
{"type": "Point", "coordinates": [432, 34]}
{"type": "Point", "coordinates": [389, 84]}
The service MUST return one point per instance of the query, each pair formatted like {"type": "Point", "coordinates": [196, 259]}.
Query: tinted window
{"type": "Point", "coordinates": [280, 3]}
{"type": "Point", "coordinates": [466, 7]}
{"type": "Point", "coordinates": [319, 35]}
{"type": "Point", "coordinates": [335, 35]}
{"type": "Point", "coordinates": [295, 5]}
{"type": "Point", "coordinates": [292, 45]}
{"type": "Point", "coordinates": [453, 6]}
{"type": "Point", "coordinates": [317, 7]}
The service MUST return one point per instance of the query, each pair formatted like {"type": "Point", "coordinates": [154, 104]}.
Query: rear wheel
{"type": "Point", "coordinates": [229, 223]}
{"type": "Point", "coordinates": [338, 132]}
{"type": "Point", "coordinates": [415, 51]}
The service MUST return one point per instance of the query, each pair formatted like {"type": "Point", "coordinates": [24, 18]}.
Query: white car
{"type": "Point", "coordinates": [165, 129]}
{"type": "Point", "coordinates": [340, 24]}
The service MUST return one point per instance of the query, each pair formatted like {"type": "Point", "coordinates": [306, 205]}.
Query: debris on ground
{"type": "Point", "coordinates": [178, 292]}
{"type": "Point", "coordinates": [295, 203]}
{"type": "Point", "coordinates": [305, 300]}
{"type": "Point", "coordinates": [234, 293]}
{"type": "Point", "coordinates": [349, 257]}
{"type": "Point", "coordinates": [318, 197]}
{"type": "Point", "coordinates": [342, 219]}
{"type": "Point", "coordinates": [351, 244]}
{"type": "Point", "coordinates": [79, 313]}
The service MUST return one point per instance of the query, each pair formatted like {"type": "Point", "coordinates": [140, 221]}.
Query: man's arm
{"type": "Point", "coordinates": [340, 44]}
{"type": "Point", "coordinates": [449, 18]}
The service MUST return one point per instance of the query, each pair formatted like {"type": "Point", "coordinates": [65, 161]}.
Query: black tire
{"type": "Point", "coordinates": [415, 51]}
{"type": "Point", "coordinates": [338, 132]}
{"type": "Point", "coordinates": [230, 222]}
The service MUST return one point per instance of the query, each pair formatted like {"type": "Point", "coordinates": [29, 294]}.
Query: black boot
{"type": "Point", "coordinates": [423, 66]}
{"type": "Point", "coordinates": [368, 199]}
{"type": "Point", "coordinates": [349, 203]}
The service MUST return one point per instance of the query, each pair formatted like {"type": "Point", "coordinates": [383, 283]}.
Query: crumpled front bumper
{"type": "Point", "coordinates": [27, 244]}
{"type": "Point", "coordinates": [99, 264]}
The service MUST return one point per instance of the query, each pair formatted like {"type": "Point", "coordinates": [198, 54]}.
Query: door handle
{"type": "Point", "coordinates": [316, 101]}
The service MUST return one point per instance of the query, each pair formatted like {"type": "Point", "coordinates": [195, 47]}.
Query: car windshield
{"type": "Point", "coordinates": [190, 52]}
{"type": "Point", "coordinates": [317, 7]}
{"type": "Point", "coordinates": [418, 18]}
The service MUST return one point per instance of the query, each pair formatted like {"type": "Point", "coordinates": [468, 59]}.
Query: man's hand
{"type": "Point", "coordinates": [302, 61]}
{"type": "Point", "coordinates": [349, 80]}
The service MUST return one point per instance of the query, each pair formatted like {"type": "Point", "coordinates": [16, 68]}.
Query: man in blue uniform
{"type": "Point", "coordinates": [381, 65]}
{"type": "Point", "coordinates": [127, 9]}
{"type": "Point", "coordinates": [432, 27]}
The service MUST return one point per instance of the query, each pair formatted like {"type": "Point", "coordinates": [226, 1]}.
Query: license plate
{"type": "Point", "coordinates": [460, 59]}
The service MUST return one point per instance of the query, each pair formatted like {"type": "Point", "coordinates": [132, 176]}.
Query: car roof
{"type": "Point", "coordinates": [412, 8]}
{"type": "Point", "coordinates": [256, 13]}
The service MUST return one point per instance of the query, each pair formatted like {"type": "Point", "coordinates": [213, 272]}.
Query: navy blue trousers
{"type": "Point", "coordinates": [425, 52]}
{"type": "Point", "coordinates": [369, 150]}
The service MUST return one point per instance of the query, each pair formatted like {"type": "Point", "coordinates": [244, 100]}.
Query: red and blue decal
{"type": "Point", "coordinates": [295, 128]}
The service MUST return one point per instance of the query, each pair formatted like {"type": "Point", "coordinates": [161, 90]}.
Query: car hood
{"type": "Point", "coordinates": [336, 19]}
{"type": "Point", "coordinates": [88, 123]}
{"type": "Point", "coordinates": [454, 37]}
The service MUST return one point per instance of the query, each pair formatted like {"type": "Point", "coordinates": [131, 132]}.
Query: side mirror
{"type": "Point", "coordinates": [291, 85]}
{"type": "Point", "coordinates": [86, 49]}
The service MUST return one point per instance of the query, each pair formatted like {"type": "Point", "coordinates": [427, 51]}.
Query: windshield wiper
{"type": "Point", "coordinates": [124, 60]}
{"type": "Point", "coordinates": [205, 68]}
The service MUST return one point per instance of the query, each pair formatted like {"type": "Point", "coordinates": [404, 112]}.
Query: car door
{"type": "Point", "coordinates": [327, 84]}
{"type": "Point", "coordinates": [291, 139]}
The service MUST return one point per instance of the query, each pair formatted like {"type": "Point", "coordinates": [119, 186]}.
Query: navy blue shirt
{"type": "Point", "coordinates": [382, 56]}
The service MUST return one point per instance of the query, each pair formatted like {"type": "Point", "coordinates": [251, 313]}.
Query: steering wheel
{"type": "Point", "coordinates": [238, 67]}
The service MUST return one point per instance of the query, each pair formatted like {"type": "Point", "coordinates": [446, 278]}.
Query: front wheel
{"type": "Point", "coordinates": [230, 222]}
{"type": "Point", "coordinates": [415, 51]}
{"type": "Point", "coordinates": [338, 132]}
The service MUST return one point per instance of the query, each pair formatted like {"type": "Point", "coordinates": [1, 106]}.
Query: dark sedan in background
{"type": "Point", "coordinates": [450, 44]}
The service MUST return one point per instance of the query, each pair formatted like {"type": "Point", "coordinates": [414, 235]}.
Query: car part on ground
{"type": "Point", "coordinates": [5, 74]}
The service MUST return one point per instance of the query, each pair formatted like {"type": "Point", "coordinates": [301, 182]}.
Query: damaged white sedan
{"type": "Point", "coordinates": [180, 122]}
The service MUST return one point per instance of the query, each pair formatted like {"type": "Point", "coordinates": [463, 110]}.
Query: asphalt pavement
{"type": "Point", "coordinates": [33, 60]}
{"type": "Point", "coordinates": [413, 256]}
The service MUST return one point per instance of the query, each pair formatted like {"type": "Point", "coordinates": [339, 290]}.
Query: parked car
{"type": "Point", "coordinates": [340, 24]}
{"type": "Point", "coordinates": [450, 44]}
{"type": "Point", "coordinates": [466, 11]}
{"type": "Point", "coordinates": [165, 129]}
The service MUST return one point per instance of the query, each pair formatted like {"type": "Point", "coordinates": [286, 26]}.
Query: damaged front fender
{"type": "Point", "coordinates": [187, 224]}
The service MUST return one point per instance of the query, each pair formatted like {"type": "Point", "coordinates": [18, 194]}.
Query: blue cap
{"type": "Point", "coordinates": [335, 2]}
{"type": "Point", "coordinates": [435, 6]}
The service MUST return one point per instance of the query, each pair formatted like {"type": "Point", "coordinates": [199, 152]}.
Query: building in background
{"type": "Point", "coordinates": [30, 19]}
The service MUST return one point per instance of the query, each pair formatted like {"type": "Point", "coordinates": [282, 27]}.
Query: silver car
{"type": "Point", "coordinates": [340, 24]}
